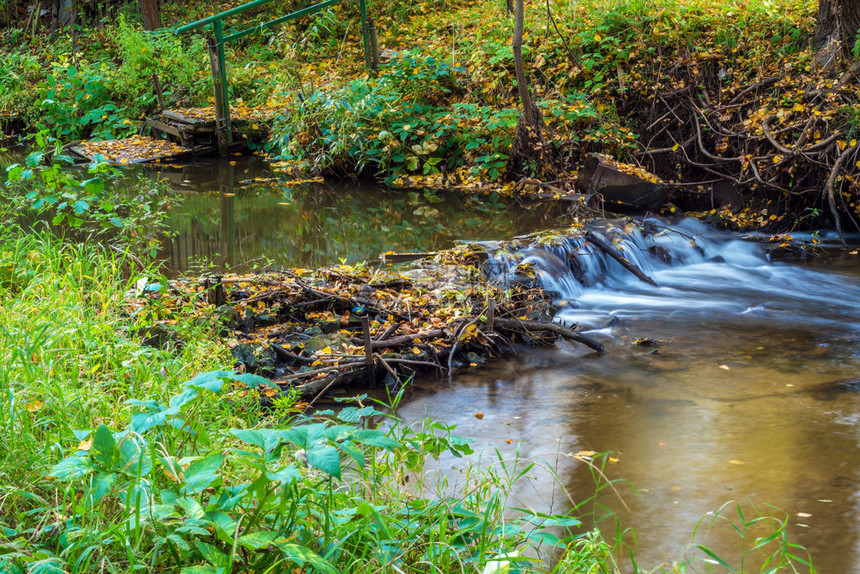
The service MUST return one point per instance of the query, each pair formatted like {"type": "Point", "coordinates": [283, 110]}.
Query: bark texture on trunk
{"type": "Point", "coordinates": [151, 15]}
{"type": "Point", "coordinates": [837, 26]}
{"type": "Point", "coordinates": [529, 152]}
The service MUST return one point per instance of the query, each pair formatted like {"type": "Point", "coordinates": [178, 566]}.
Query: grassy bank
{"type": "Point", "coordinates": [124, 457]}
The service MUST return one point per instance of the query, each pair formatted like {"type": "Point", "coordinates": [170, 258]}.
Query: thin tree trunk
{"type": "Point", "coordinates": [530, 154]}
{"type": "Point", "coordinates": [531, 113]}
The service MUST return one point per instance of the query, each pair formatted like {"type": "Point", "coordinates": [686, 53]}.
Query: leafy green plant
{"type": "Point", "coordinates": [771, 552]}
{"type": "Point", "coordinates": [130, 210]}
{"type": "Point", "coordinates": [329, 493]}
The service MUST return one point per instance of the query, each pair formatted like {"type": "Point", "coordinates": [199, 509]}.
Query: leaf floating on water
{"type": "Point", "coordinates": [585, 453]}
{"type": "Point", "coordinates": [737, 462]}
{"type": "Point", "coordinates": [803, 515]}
{"type": "Point", "coordinates": [478, 415]}
{"type": "Point", "coordinates": [725, 367]}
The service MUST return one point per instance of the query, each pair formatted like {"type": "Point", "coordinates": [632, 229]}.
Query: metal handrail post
{"type": "Point", "coordinates": [223, 127]}
{"type": "Point", "coordinates": [365, 32]}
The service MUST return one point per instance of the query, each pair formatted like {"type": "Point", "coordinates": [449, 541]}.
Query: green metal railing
{"type": "Point", "coordinates": [215, 44]}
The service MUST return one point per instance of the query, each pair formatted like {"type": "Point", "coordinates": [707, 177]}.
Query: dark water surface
{"type": "Point", "coordinates": [241, 216]}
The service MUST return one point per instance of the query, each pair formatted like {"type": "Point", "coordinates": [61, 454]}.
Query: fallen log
{"type": "Point", "coordinates": [527, 325]}
{"type": "Point", "coordinates": [595, 240]}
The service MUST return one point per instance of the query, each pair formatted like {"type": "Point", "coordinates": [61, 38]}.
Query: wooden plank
{"type": "Point", "coordinates": [178, 116]}
{"type": "Point", "coordinates": [155, 124]}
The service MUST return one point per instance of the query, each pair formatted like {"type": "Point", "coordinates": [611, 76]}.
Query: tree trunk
{"type": "Point", "coordinates": [529, 146]}
{"type": "Point", "coordinates": [531, 113]}
{"type": "Point", "coordinates": [150, 13]}
{"type": "Point", "coordinates": [836, 28]}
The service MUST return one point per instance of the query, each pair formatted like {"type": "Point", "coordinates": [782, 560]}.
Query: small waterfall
{"type": "Point", "coordinates": [697, 269]}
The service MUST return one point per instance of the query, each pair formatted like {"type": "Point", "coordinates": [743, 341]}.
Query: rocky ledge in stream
{"type": "Point", "coordinates": [313, 330]}
{"type": "Point", "coordinates": [317, 329]}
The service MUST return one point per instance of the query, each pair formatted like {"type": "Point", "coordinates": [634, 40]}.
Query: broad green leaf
{"type": "Point", "coordinates": [252, 381]}
{"type": "Point", "coordinates": [212, 554]}
{"type": "Point", "coordinates": [301, 555]}
{"type": "Point", "coordinates": [191, 507]}
{"type": "Point", "coordinates": [286, 474]}
{"type": "Point", "coordinates": [201, 473]}
{"type": "Point", "coordinates": [372, 437]}
{"type": "Point", "coordinates": [102, 484]}
{"type": "Point", "coordinates": [70, 468]}
{"type": "Point", "coordinates": [351, 450]}
{"type": "Point", "coordinates": [326, 459]}
{"type": "Point", "coordinates": [48, 566]}
{"type": "Point", "coordinates": [260, 539]}
{"type": "Point", "coordinates": [80, 206]}
{"type": "Point", "coordinates": [104, 451]}
{"type": "Point", "coordinates": [199, 570]}
{"type": "Point", "coordinates": [253, 437]}
{"type": "Point", "coordinates": [354, 415]}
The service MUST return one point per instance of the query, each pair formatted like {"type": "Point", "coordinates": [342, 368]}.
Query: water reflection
{"type": "Point", "coordinates": [735, 403]}
{"type": "Point", "coordinates": [238, 214]}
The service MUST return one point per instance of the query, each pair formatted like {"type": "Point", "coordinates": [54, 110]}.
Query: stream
{"type": "Point", "coordinates": [727, 396]}
{"type": "Point", "coordinates": [717, 385]}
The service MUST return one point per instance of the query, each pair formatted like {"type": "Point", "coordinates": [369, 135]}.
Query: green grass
{"type": "Point", "coordinates": [125, 457]}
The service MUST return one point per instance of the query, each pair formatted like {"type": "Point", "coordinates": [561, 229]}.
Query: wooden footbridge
{"type": "Point", "coordinates": [222, 127]}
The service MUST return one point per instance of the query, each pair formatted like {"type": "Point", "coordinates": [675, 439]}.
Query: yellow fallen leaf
{"type": "Point", "coordinates": [725, 367]}
{"type": "Point", "coordinates": [85, 444]}
{"type": "Point", "coordinates": [416, 350]}
{"type": "Point", "coordinates": [737, 462]}
{"type": "Point", "coordinates": [587, 453]}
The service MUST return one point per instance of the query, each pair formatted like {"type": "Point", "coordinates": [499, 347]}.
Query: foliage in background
{"type": "Point", "coordinates": [103, 90]}
{"type": "Point", "coordinates": [100, 202]}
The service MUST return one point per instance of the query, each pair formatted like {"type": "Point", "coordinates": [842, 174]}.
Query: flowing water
{"type": "Point", "coordinates": [743, 386]}
{"type": "Point", "coordinates": [729, 393]}
{"type": "Point", "coordinates": [727, 396]}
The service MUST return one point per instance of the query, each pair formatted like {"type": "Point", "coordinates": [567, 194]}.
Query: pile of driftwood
{"type": "Point", "coordinates": [314, 330]}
